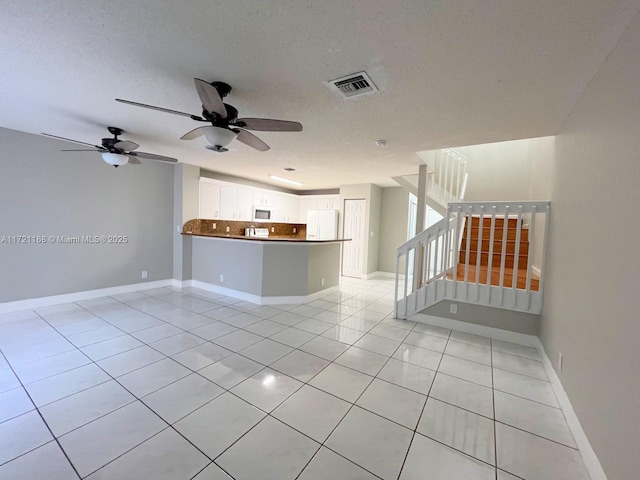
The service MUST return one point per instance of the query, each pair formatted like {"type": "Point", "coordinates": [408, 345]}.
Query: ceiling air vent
{"type": "Point", "coordinates": [353, 85]}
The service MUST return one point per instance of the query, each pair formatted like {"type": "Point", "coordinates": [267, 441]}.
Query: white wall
{"type": "Point", "coordinates": [498, 171]}
{"type": "Point", "coordinates": [47, 192]}
{"type": "Point", "coordinates": [591, 310]}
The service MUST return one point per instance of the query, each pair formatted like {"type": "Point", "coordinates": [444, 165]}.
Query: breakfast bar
{"type": "Point", "coordinates": [278, 269]}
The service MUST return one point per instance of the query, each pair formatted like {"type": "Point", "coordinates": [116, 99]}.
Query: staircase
{"type": "Point", "coordinates": [484, 255]}
{"type": "Point", "coordinates": [446, 178]}
{"type": "Point", "coordinates": [479, 253]}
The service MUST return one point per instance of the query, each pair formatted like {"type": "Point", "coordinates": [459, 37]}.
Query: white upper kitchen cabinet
{"type": "Point", "coordinates": [291, 209]}
{"type": "Point", "coordinates": [329, 202]}
{"type": "Point", "coordinates": [236, 203]}
{"type": "Point", "coordinates": [265, 198]}
{"type": "Point", "coordinates": [317, 202]}
{"type": "Point", "coordinates": [228, 202]}
{"type": "Point", "coordinates": [209, 200]}
{"type": "Point", "coordinates": [307, 202]}
{"type": "Point", "coordinates": [245, 204]}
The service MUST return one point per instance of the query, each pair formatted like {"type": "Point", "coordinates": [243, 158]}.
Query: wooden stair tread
{"type": "Point", "coordinates": [494, 276]}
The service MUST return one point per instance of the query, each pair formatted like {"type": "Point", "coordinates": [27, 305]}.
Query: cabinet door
{"type": "Point", "coordinates": [209, 200]}
{"type": "Point", "coordinates": [333, 202]}
{"type": "Point", "coordinates": [228, 203]}
{"type": "Point", "coordinates": [291, 209]}
{"type": "Point", "coordinates": [307, 202]}
{"type": "Point", "coordinates": [245, 204]}
{"type": "Point", "coordinates": [272, 199]}
{"type": "Point", "coordinates": [258, 197]}
{"type": "Point", "coordinates": [328, 202]}
{"type": "Point", "coordinates": [264, 197]}
{"type": "Point", "coordinates": [276, 201]}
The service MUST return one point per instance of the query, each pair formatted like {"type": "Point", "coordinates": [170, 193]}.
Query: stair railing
{"type": "Point", "coordinates": [447, 179]}
{"type": "Point", "coordinates": [431, 259]}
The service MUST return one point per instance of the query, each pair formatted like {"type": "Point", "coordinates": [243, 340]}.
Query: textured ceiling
{"type": "Point", "coordinates": [450, 73]}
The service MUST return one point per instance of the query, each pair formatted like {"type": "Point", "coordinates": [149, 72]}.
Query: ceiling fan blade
{"type": "Point", "coordinates": [83, 150]}
{"type": "Point", "coordinates": [152, 156]}
{"type": "Point", "coordinates": [126, 145]}
{"type": "Point", "coordinates": [133, 160]}
{"type": "Point", "coordinates": [210, 98]}
{"type": "Point", "coordinates": [269, 125]}
{"type": "Point", "coordinates": [74, 141]}
{"type": "Point", "coordinates": [160, 109]}
{"type": "Point", "coordinates": [250, 139]}
{"type": "Point", "coordinates": [193, 134]}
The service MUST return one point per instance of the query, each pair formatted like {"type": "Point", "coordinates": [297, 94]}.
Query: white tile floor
{"type": "Point", "coordinates": [185, 384]}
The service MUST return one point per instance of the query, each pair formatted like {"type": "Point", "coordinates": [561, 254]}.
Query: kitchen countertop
{"type": "Point", "coordinates": [271, 238]}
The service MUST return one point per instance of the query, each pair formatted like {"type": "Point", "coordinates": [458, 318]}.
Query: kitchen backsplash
{"type": "Point", "coordinates": [200, 226]}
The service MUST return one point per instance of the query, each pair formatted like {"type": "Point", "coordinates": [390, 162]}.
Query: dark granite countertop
{"type": "Point", "coordinates": [272, 238]}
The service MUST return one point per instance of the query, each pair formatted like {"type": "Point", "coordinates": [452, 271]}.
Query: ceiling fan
{"type": "Point", "coordinates": [225, 124]}
{"type": "Point", "coordinates": [116, 152]}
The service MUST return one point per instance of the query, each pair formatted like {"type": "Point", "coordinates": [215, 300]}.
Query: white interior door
{"type": "Point", "coordinates": [353, 251]}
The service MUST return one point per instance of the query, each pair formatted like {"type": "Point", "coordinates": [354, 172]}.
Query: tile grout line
{"type": "Point", "coordinates": [43, 421]}
{"type": "Point", "coordinates": [268, 414]}
{"type": "Point", "coordinates": [268, 366]}
{"type": "Point", "coordinates": [415, 431]}
{"type": "Point", "coordinates": [352, 405]}
{"type": "Point", "coordinates": [138, 399]}
{"type": "Point", "coordinates": [493, 402]}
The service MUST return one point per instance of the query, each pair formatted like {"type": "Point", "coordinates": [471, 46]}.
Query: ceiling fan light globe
{"type": "Point", "coordinates": [115, 159]}
{"type": "Point", "coordinates": [220, 137]}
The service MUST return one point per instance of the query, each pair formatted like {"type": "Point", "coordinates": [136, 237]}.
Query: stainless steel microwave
{"type": "Point", "coordinates": [262, 213]}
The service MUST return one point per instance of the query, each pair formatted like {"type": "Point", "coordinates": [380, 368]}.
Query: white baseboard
{"type": "Point", "coordinates": [31, 303]}
{"type": "Point", "coordinates": [369, 276]}
{"type": "Point", "coordinates": [259, 300]}
{"type": "Point", "coordinates": [586, 450]}
{"type": "Point", "coordinates": [584, 446]}
{"type": "Point", "coordinates": [466, 327]}
{"type": "Point", "coordinates": [181, 283]}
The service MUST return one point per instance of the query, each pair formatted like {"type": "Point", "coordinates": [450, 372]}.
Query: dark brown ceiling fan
{"type": "Point", "coordinates": [114, 151]}
{"type": "Point", "coordinates": [225, 124]}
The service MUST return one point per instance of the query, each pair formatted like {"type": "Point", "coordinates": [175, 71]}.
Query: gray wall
{"type": "Point", "coordinates": [520, 322]}
{"type": "Point", "coordinates": [323, 263]}
{"type": "Point", "coordinates": [591, 310]}
{"type": "Point", "coordinates": [239, 261]}
{"type": "Point", "coordinates": [373, 208]}
{"type": "Point", "coordinates": [186, 204]}
{"type": "Point", "coordinates": [266, 269]}
{"type": "Point", "coordinates": [47, 192]}
{"type": "Point", "coordinates": [285, 270]}
{"type": "Point", "coordinates": [394, 215]}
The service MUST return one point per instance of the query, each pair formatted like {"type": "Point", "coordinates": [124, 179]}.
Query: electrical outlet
{"type": "Point", "coordinates": [322, 282]}
{"type": "Point", "coordinates": [221, 278]}
{"type": "Point", "coordinates": [295, 230]}
{"type": "Point", "coordinates": [273, 229]}
{"type": "Point", "coordinates": [144, 274]}
{"type": "Point", "coordinates": [178, 229]}
{"type": "Point", "coordinates": [228, 229]}
{"type": "Point", "coordinates": [453, 308]}
{"type": "Point", "coordinates": [214, 226]}
{"type": "Point", "coordinates": [560, 361]}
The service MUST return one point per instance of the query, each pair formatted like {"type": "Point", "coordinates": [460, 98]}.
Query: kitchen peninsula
{"type": "Point", "coordinates": [283, 268]}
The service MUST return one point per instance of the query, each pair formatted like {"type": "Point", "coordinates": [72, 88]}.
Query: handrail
{"type": "Point", "coordinates": [486, 268]}
{"type": "Point", "coordinates": [448, 176]}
